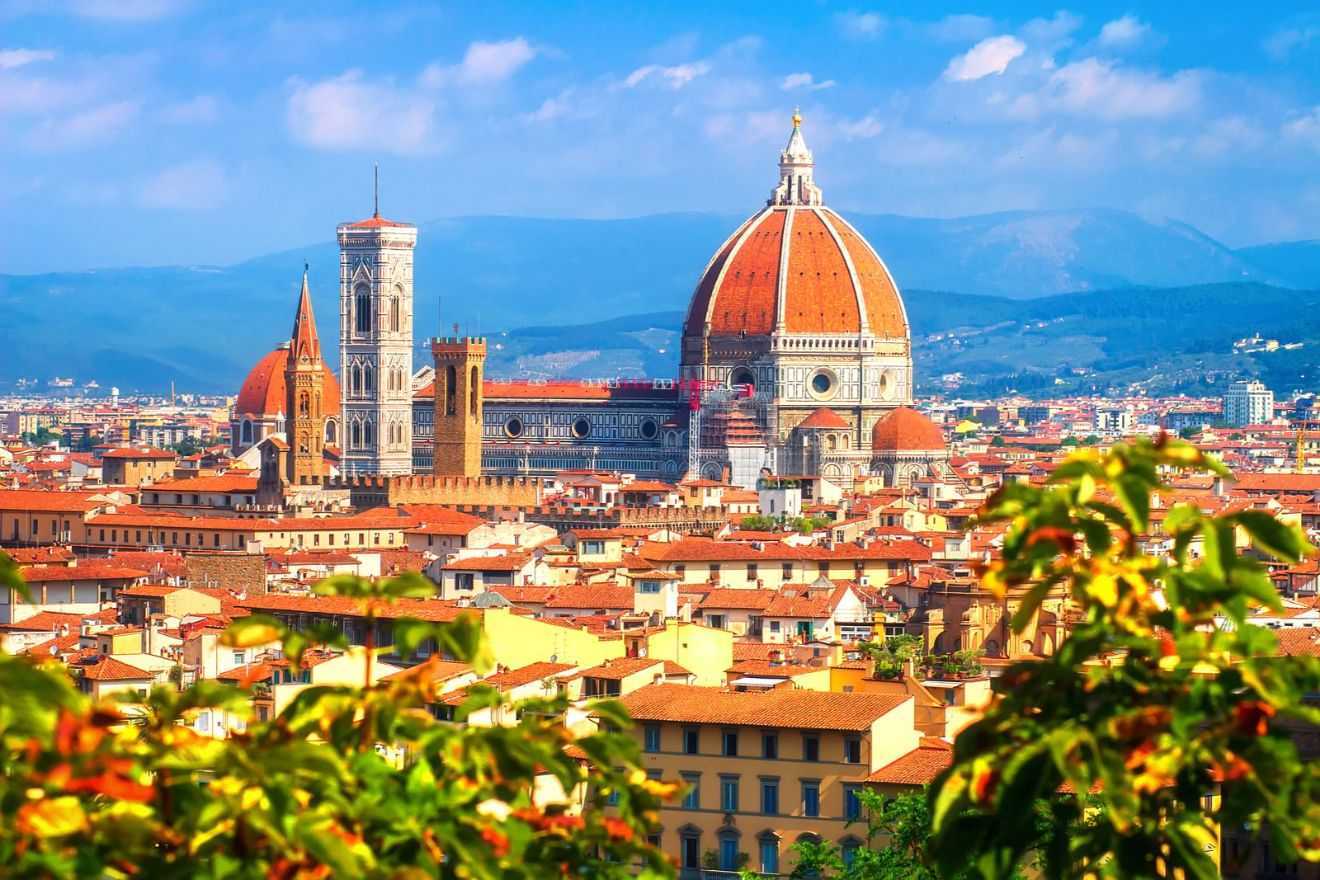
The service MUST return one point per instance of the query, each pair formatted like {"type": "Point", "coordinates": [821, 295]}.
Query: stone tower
{"type": "Point", "coordinates": [460, 367]}
{"type": "Point", "coordinates": [304, 378]}
{"type": "Point", "coordinates": [376, 344]}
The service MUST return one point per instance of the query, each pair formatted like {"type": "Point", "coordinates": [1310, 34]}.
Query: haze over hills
{"type": "Point", "coordinates": [202, 327]}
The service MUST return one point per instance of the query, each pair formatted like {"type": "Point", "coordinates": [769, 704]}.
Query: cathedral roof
{"type": "Point", "coordinates": [264, 392]}
{"type": "Point", "coordinates": [796, 267]}
{"type": "Point", "coordinates": [906, 430]}
{"type": "Point", "coordinates": [304, 338]}
{"type": "Point", "coordinates": [823, 417]}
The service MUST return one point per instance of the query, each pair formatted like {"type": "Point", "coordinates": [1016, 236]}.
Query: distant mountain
{"type": "Point", "coordinates": [202, 327]}
{"type": "Point", "coordinates": [1296, 262]}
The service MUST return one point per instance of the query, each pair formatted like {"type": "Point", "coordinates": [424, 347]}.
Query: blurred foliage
{"type": "Point", "coordinates": [345, 781]}
{"type": "Point", "coordinates": [1163, 704]}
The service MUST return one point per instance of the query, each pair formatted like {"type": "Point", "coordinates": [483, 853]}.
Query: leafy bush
{"type": "Point", "coordinates": [345, 781]}
{"type": "Point", "coordinates": [1163, 704]}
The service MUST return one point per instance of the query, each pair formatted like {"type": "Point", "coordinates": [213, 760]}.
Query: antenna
{"type": "Point", "coordinates": [375, 196]}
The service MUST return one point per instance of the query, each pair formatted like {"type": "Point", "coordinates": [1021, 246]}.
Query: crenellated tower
{"type": "Point", "coordinates": [376, 344]}
{"type": "Point", "coordinates": [460, 367]}
{"type": "Point", "coordinates": [304, 379]}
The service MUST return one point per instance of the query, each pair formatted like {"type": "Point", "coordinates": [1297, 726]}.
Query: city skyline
{"type": "Point", "coordinates": [155, 132]}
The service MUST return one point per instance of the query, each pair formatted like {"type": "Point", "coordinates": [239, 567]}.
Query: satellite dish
{"type": "Point", "coordinates": [554, 658]}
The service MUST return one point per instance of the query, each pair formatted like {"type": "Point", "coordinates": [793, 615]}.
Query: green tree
{"type": "Point", "coordinates": [758, 523]}
{"type": "Point", "coordinates": [345, 781]}
{"type": "Point", "coordinates": [1164, 703]}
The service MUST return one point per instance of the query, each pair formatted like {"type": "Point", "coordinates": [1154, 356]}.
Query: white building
{"type": "Point", "coordinates": [1248, 403]}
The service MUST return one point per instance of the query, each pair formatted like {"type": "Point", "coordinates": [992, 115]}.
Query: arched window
{"type": "Point", "coordinates": [394, 313]}
{"type": "Point", "coordinates": [356, 435]}
{"type": "Point", "coordinates": [368, 380]}
{"type": "Point", "coordinates": [304, 404]}
{"type": "Point", "coordinates": [355, 379]}
{"type": "Point", "coordinates": [362, 308]}
{"type": "Point", "coordinates": [451, 390]}
{"type": "Point", "coordinates": [245, 433]}
{"type": "Point", "coordinates": [474, 386]}
{"type": "Point", "coordinates": [767, 845]}
{"type": "Point", "coordinates": [367, 440]}
{"type": "Point", "coordinates": [330, 431]}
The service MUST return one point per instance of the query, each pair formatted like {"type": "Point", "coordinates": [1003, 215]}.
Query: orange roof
{"type": "Point", "coordinates": [1299, 642]}
{"type": "Point", "coordinates": [823, 417]}
{"type": "Point", "coordinates": [525, 675]}
{"type": "Point", "coordinates": [54, 502]}
{"type": "Point", "coordinates": [905, 429]}
{"type": "Point", "coordinates": [622, 667]}
{"type": "Point", "coordinates": [136, 454]}
{"type": "Point", "coordinates": [434, 669]}
{"type": "Point", "coordinates": [44, 621]}
{"type": "Point", "coordinates": [376, 221]}
{"type": "Point", "coordinates": [591, 596]}
{"type": "Point", "coordinates": [833, 280]}
{"type": "Point", "coordinates": [919, 766]}
{"type": "Point", "coordinates": [216, 483]}
{"type": "Point", "coordinates": [809, 710]}
{"type": "Point", "coordinates": [741, 600]}
{"type": "Point", "coordinates": [264, 392]}
{"type": "Point", "coordinates": [110, 669]}
{"type": "Point", "coordinates": [86, 570]}
{"type": "Point", "coordinates": [341, 606]}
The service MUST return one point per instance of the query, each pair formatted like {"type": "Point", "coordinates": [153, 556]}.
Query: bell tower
{"type": "Point", "coordinates": [304, 407]}
{"type": "Point", "coordinates": [376, 344]}
{"type": "Point", "coordinates": [460, 368]}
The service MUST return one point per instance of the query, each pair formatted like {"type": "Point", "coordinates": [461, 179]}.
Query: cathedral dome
{"type": "Point", "coordinates": [906, 430]}
{"type": "Point", "coordinates": [796, 267]}
{"type": "Point", "coordinates": [264, 391]}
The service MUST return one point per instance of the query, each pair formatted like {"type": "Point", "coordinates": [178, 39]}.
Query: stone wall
{"type": "Point", "coordinates": [231, 571]}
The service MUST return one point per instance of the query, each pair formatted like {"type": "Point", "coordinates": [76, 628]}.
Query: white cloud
{"type": "Point", "coordinates": [86, 127]}
{"type": "Point", "coordinates": [868, 126]}
{"type": "Point", "coordinates": [862, 25]}
{"type": "Point", "coordinates": [348, 112]}
{"type": "Point", "coordinates": [127, 10]}
{"type": "Point", "coordinates": [11, 59]}
{"type": "Point", "coordinates": [675, 76]}
{"type": "Point", "coordinates": [1283, 42]}
{"type": "Point", "coordinates": [1095, 87]}
{"type": "Point", "coordinates": [551, 108]}
{"type": "Point", "coordinates": [805, 81]}
{"type": "Point", "coordinates": [1051, 33]}
{"type": "Point", "coordinates": [1305, 127]}
{"type": "Point", "coordinates": [961, 28]}
{"type": "Point", "coordinates": [1124, 33]}
{"type": "Point", "coordinates": [482, 64]}
{"type": "Point", "coordinates": [191, 186]}
{"type": "Point", "coordinates": [195, 111]}
{"type": "Point", "coordinates": [990, 56]}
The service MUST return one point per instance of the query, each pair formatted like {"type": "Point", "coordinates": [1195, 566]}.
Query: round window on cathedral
{"type": "Point", "coordinates": [513, 427]}
{"type": "Point", "coordinates": [649, 429]}
{"type": "Point", "coordinates": [742, 376]}
{"type": "Point", "coordinates": [823, 384]}
{"type": "Point", "coordinates": [581, 428]}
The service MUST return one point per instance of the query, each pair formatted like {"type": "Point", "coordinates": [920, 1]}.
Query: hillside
{"type": "Point", "coordinates": [1297, 263]}
{"type": "Point", "coordinates": [201, 327]}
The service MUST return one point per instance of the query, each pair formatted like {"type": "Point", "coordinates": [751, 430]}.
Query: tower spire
{"type": "Point", "coordinates": [375, 190]}
{"type": "Point", "coordinates": [304, 342]}
{"type": "Point", "coordinates": [796, 167]}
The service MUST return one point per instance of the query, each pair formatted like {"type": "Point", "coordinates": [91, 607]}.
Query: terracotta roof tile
{"type": "Point", "coordinates": [110, 669]}
{"type": "Point", "coordinates": [808, 710]}
{"type": "Point", "coordinates": [918, 767]}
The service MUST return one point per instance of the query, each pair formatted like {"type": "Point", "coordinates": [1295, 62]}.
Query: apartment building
{"type": "Point", "coordinates": [764, 769]}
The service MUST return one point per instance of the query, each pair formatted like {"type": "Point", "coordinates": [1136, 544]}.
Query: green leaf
{"type": "Point", "coordinates": [409, 633]}
{"type": "Point", "coordinates": [253, 631]}
{"type": "Point", "coordinates": [408, 585]}
{"type": "Point", "coordinates": [1277, 538]}
{"type": "Point", "coordinates": [12, 577]}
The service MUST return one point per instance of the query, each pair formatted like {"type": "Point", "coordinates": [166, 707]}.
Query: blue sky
{"type": "Point", "coordinates": [168, 131]}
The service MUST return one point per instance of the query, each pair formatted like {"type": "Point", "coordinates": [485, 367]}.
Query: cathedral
{"type": "Point", "coordinates": [796, 360]}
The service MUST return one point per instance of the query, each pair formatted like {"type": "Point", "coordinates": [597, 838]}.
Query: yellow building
{"type": "Point", "coordinates": [763, 769]}
{"type": "Point", "coordinates": [703, 650]}
{"type": "Point", "coordinates": [131, 467]}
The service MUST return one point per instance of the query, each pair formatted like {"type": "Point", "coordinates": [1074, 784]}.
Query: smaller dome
{"type": "Point", "coordinates": [264, 391]}
{"type": "Point", "coordinates": [823, 417]}
{"type": "Point", "coordinates": [906, 430]}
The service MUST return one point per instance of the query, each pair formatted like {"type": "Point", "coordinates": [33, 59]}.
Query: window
{"type": "Point", "coordinates": [728, 852]}
{"type": "Point", "coordinates": [751, 571]}
{"type": "Point", "coordinates": [690, 739]}
{"type": "Point", "coordinates": [774, 626]}
{"type": "Point", "coordinates": [810, 747]}
{"type": "Point", "coordinates": [770, 746]}
{"type": "Point", "coordinates": [394, 314]}
{"type": "Point", "coordinates": [692, 797]}
{"type": "Point", "coordinates": [238, 658]}
{"type": "Point", "coordinates": [852, 750]}
{"type": "Point", "coordinates": [770, 797]}
{"type": "Point", "coordinates": [451, 390]}
{"type": "Point", "coordinates": [691, 851]}
{"type": "Point", "coordinates": [714, 570]}
{"type": "Point", "coordinates": [729, 794]}
{"type": "Point", "coordinates": [769, 847]}
{"type": "Point", "coordinates": [730, 743]}
{"type": "Point", "coordinates": [362, 309]}
{"type": "Point", "coordinates": [651, 736]}
{"type": "Point", "coordinates": [810, 798]}
{"type": "Point", "coordinates": [648, 587]}
{"type": "Point", "coordinates": [852, 804]}
{"type": "Point", "coordinates": [787, 571]}
{"type": "Point", "coordinates": [848, 851]}
{"type": "Point", "coordinates": [474, 384]}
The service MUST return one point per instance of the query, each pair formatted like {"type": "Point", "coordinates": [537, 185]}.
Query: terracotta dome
{"type": "Point", "coordinates": [906, 430]}
{"type": "Point", "coordinates": [264, 391]}
{"type": "Point", "coordinates": [804, 266]}
{"type": "Point", "coordinates": [823, 417]}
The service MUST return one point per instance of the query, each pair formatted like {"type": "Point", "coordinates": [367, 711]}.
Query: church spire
{"type": "Point", "coordinates": [796, 165]}
{"type": "Point", "coordinates": [305, 342]}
